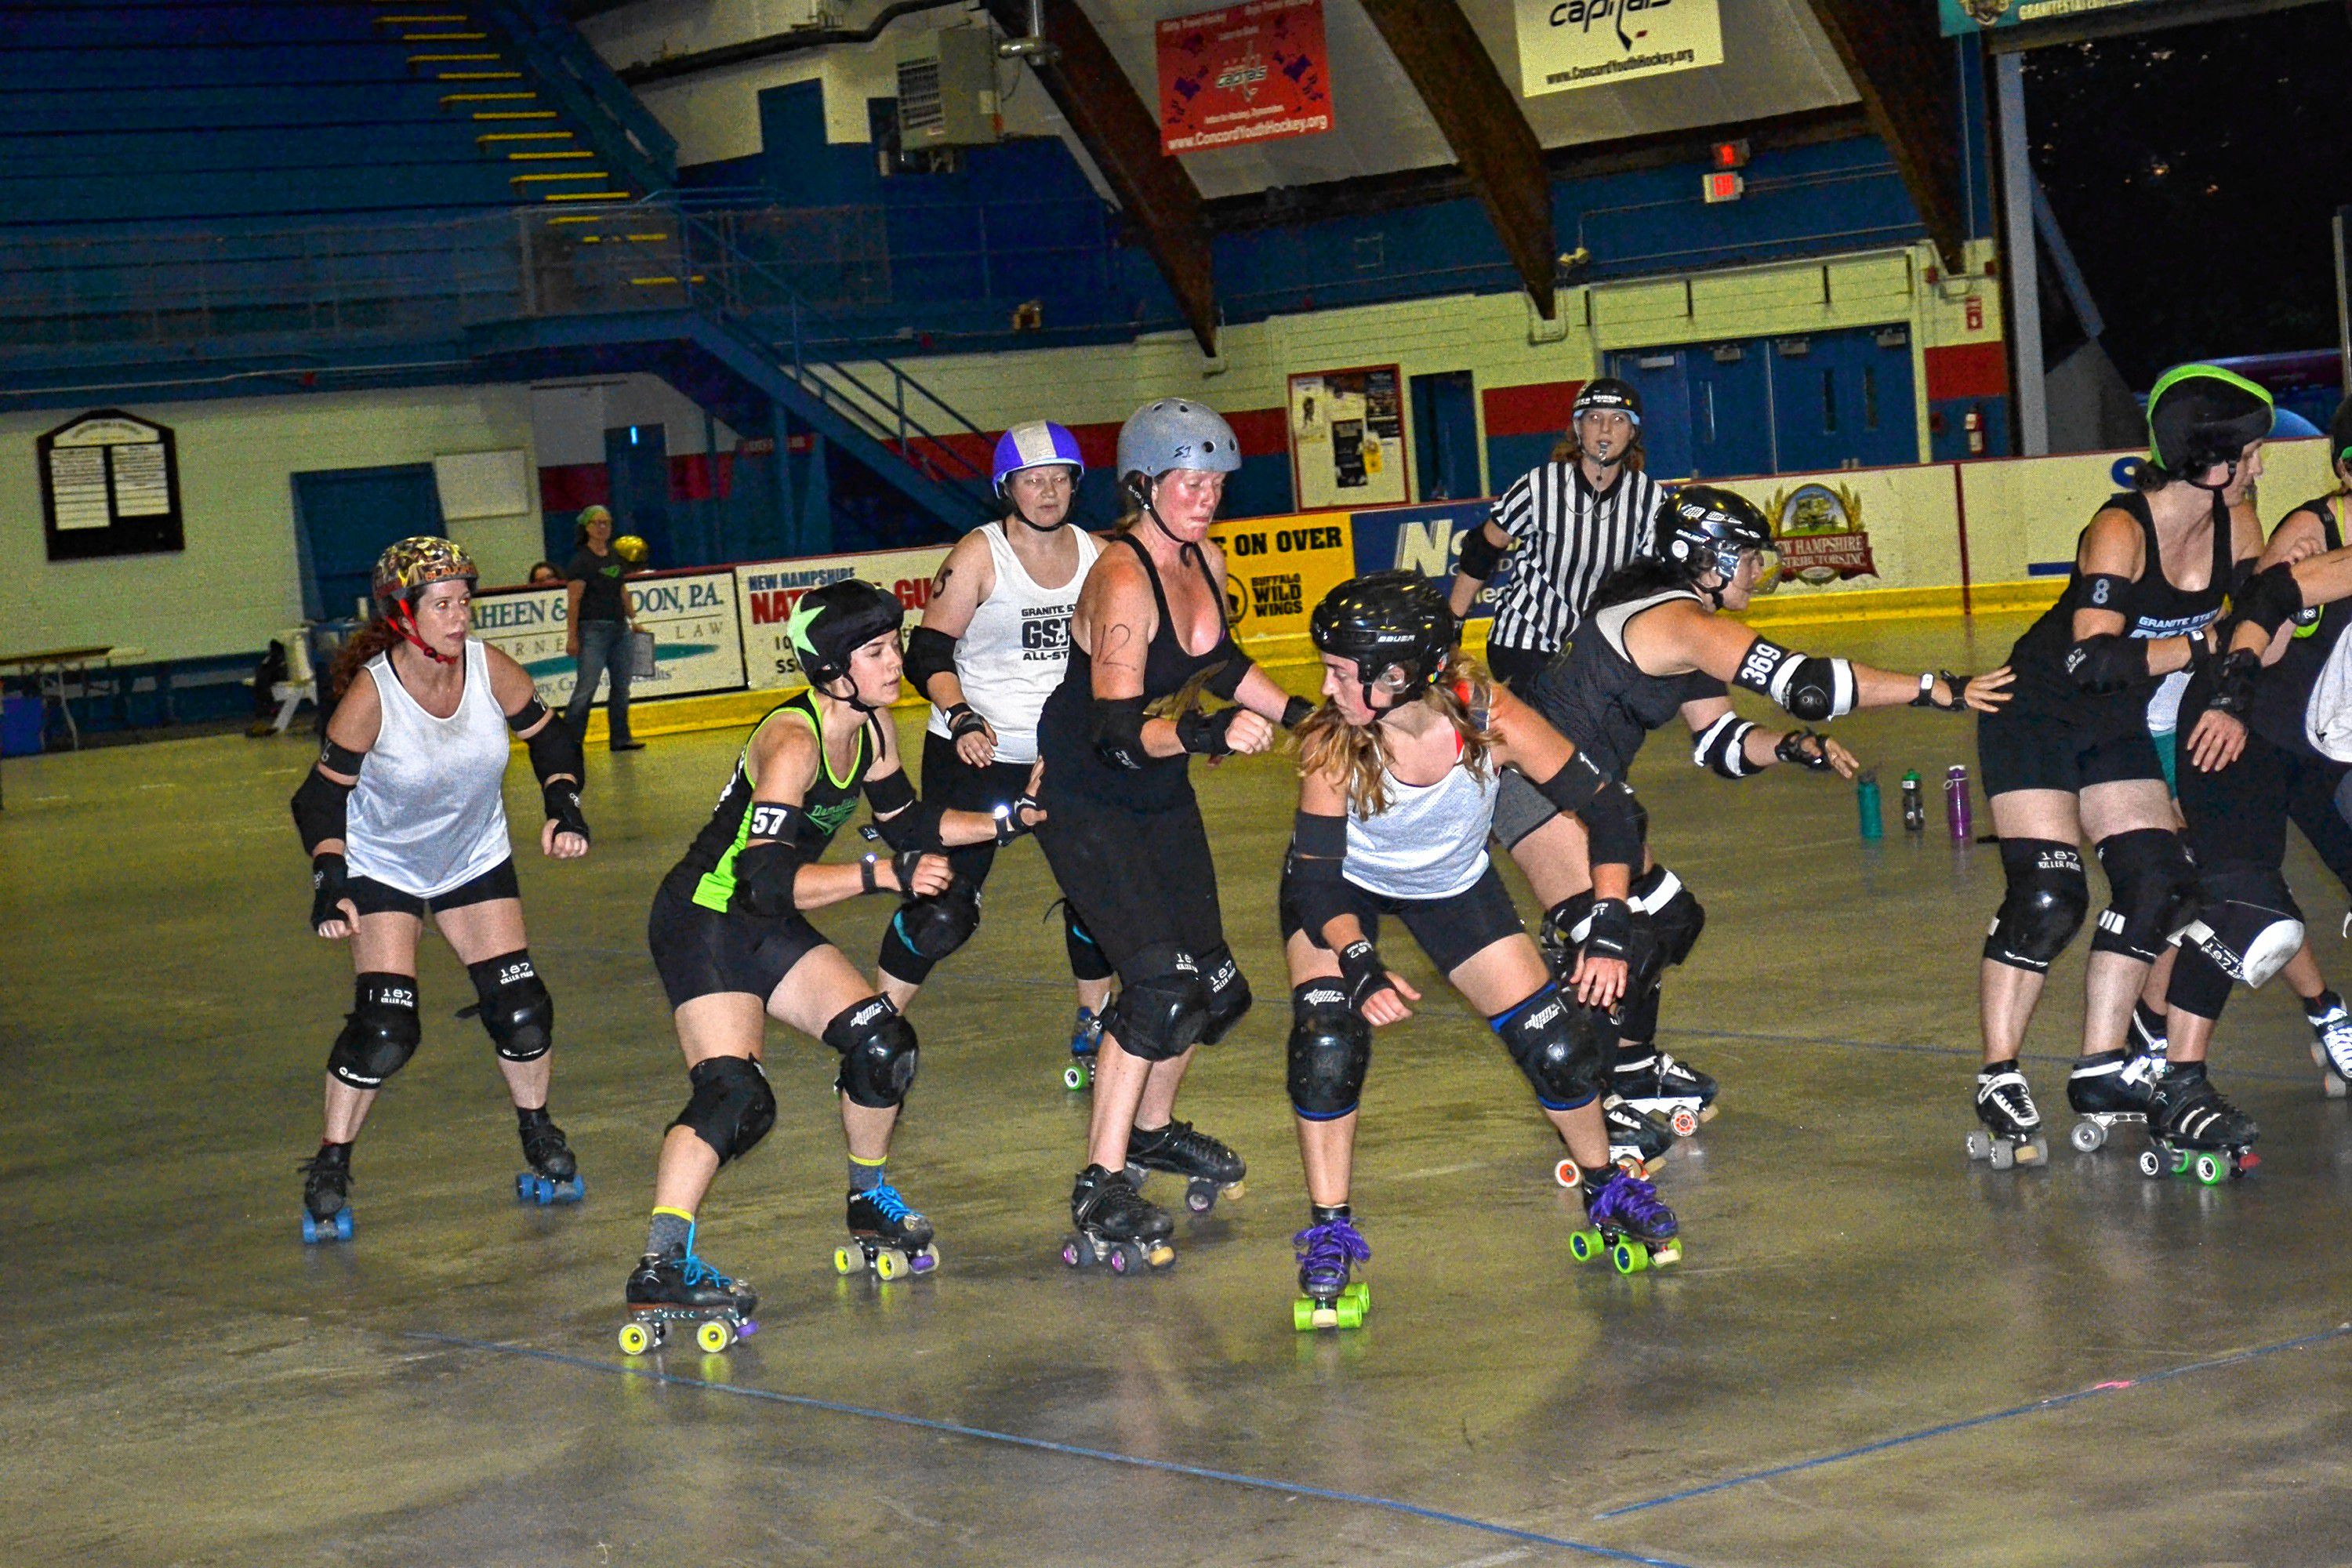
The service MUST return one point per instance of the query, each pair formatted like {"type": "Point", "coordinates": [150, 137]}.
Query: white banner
{"type": "Point", "coordinates": [767, 591]}
{"type": "Point", "coordinates": [697, 644]}
{"type": "Point", "coordinates": [1566, 43]}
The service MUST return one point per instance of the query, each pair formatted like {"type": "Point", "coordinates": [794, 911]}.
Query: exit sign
{"type": "Point", "coordinates": [1724, 187]}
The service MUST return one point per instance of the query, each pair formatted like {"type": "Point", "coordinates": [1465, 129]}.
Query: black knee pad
{"type": "Point", "coordinates": [732, 1106]}
{"type": "Point", "coordinates": [1162, 1005]}
{"type": "Point", "coordinates": [1229, 993]}
{"type": "Point", "coordinates": [1087, 960]}
{"type": "Point", "coordinates": [1561, 1045]}
{"type": "Point", "coordinates": [1637, 1017]}
{"type": "Point", "coordinates": [2245, 920]}
{"type": "Point", "coordinates": [2047, 898]}
{"type": "Point", "coordinates": [1676, 916]}
{"type": "Point", "coordinates": [2151, 883]}
{"type": "Point", "coordinates": [380, 1033]}
{"type": "Point", "coordinates": [515, 1008]}
{"type": "Point", "coordinates": [878, 1053]}
{"type": "Point", "coordinates": [1562, 931]}
{"type": "Point", "coordinates": [1330, 1048]}
{"type": "Point", "coordinates": [2199, 985]}
{"type": "Point", "coordinates": [935, 926]}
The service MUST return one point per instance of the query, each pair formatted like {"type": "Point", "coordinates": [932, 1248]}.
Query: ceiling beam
{"type": "Point", "coordinates": [1480, 118]}
{"type": "Point", "coordinates": [1122, 136]}
{"type": "Point", "coordinates": [1908, 75]}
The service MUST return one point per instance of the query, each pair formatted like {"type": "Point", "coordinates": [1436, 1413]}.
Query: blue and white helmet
{"type": "Point", "coordinates": [1040, 444]}
{"type": "Point", "coordinates": [1176, 433]}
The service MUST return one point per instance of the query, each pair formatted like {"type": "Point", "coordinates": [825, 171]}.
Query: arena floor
{"type": "Point", "coordinates": [1873, 1353]}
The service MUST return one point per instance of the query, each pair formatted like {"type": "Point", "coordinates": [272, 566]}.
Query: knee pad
{"type": "Point", "coordinates": [935, 926]}
{"type": "Point", "coordinates": [1229, 993]}
{"type": "Point", "coordinates": [1562, 931]}
{"type": "Point", "coordinates": [2199, 985]}
{"type": "Point", "coordinates": [2245, 921]}
{"type": "Point", "coordinates": [731, 1107]}
{"type": "Point", "coordinates": [1675, 917]}
{"type": "Point", "coordinates": [2151, 881]}
{"type": "Point", "coordinates": [1637, 1016]}
{"type": "Point", "coordinates": [1331, 1047]}
{"type": "Point", "coordinates": [2048, 896]}
{"type": "Point", "coordinates": [1087, 960]}
{"type": "Point", "coordinates": [1162, 1005]}
{"type": "Point", "coordinates": [1563, 1045]}
{"type": "Point", "coordinates": [878, 1053]}
{"type": "Point", "coordinates": [515, 1008]}
{"type": "Point", "coordinates": [380, 1033]}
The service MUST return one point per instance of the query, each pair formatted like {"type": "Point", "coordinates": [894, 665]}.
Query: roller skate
{"type": "Point", "coordinates": [1638, 1141]}
{"type": "Point", "coordinates": [2331, 1041]}
{"type": "Point", "coordinates": [1627, 1222]}
{"type": "Point", "coordinates": [677, 1287]}
{"type": "Point", "coordinates": [554, 1176]}
{"type": "Point", "coordinates": [2193, 1132]}
{"type": "Point", "coordinates": [1327, 1249]}
{"type": "Point", "coordinates": [1210, 1170]}
{"type": "Point", "coordinates": [2011, 1134]}
{"type": "Point", "coordinates": [886, 1237]}
{"type": "Point", "coordinates": [1086, 1039]}
{"type": "Point", "coordinates": [326, 1194]}
{"type": "Point", "coordinates": [1116, 1226]}
{"type": "Point", "coordinates": [2149, 1028]}
{"type": "Point", "coordinates": [1655, 1082]}
{"type": "Point", "coordinates": [2106, 1090]}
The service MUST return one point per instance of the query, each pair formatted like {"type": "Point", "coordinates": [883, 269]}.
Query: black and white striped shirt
{"type": "Point", "coordinates": [1570, 536]}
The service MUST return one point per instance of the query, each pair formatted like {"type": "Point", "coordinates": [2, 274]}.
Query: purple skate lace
{"type": "Point", "coordinates": [1326, 1250]}
{"type": "Point", "coordinates": [1630, 1204]}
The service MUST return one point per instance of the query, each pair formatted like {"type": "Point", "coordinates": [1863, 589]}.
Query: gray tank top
{"type": "Point", "coordinates": [1430, 843]}
{"type": "Point", "coordinates": [429, 815]}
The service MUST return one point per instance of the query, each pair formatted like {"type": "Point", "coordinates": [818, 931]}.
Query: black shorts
{"type": "Point", "coordinates": [1451, 930]}
{"type": "Point", "coordinates": [951, 781]}
{"type": "Point", "coordinates": [1136, 878]}
{"type": "Point", "coordinates": [2030, 750]}
{"type": "Point", "coordinates": [701, 952]}
{"type": "Point", "coordinates": [371, 897]}
{"type": "Point", "coordinates": [2239, 815]}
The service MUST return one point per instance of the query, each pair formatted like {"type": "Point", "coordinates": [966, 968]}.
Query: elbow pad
{"type": "Point", "coordinates": [554, 750]}
{"type": "Point", "coordinates": [905, 823]}
{"type": "Point", "coordinates": [1119, 732]}
{"type": "Point", "coordinates": [319, 808]}
{"type": "Point", "coordinates": [764, 875]}
{"type": "Point", "coordinates": [1225, 681]}
{"type": "Point", "coordinates": [928, 653]}
{"type": "Point", "coordinates": [2271, 599]}
{"type": "Point", "coordinates": [1722, 748]}
{"type": "Point", "coordinates": [1810, 689]}
{"type": "Point", "coordinates": [2107, 663]}
{"type": "Point", "coordinates": [1480, 554]}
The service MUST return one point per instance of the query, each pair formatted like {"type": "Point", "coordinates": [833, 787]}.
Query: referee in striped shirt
{"type": "Point", "coordinates": [1577, 519]}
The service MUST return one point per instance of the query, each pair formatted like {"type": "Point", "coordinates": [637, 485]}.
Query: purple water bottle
{"type": "Point", "coordinates": [1955, 804]}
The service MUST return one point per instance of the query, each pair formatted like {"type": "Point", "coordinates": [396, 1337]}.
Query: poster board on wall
{"type": "Point", "coordinates": [1277, 569]}
{"type": "Point", "coordinates": [1568, 44]}
{"type": "Point", "coordinates": [1251, 72]}
{"type": "Point", "coordinates": [697, 646]}
{"type": "Point", "coordinates": [1347, 438]}
{"type": "Point", "coordinates": [110, 486]}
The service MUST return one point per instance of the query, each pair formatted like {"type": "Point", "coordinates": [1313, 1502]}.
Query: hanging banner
{"type": "Point", "coordinates": [1347, 438]}
{"type": "Point", "coordinates": [696, 646]}
{"type": "Point", "coordinates": [1974, 16]}
{"type": "Point", "coordinates": [1245, 73]}
{"type": "Point", "coordinates": [768, 591]}
{"type": "Point", "coordinates": [1566, 43]}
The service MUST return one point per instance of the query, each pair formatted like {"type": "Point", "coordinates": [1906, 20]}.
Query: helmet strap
{"type": "Point", "coordinates": [403, 621]}
{"type": "Point", "coordinates": [1022, 517]}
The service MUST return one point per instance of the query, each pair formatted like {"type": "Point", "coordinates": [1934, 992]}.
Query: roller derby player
{"type": "Point", "coordinates": [1125, 839]}
{"type": "Point", "coordinates": [1398, 775]}
{"type": "Point", "coordinates": [732, 939]}
{"type": "Point", "coordinates": [2072, 757]}
{"type": "Point", "coordinates": [403, 821]}
{"type": "Point", "coordinates": [995, 642]}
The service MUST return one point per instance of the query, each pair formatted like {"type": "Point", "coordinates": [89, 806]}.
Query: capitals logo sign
{"type": "Point", "coordinates": [1818, 531]}
{"type": "Point", "coordinates": [1250, 72]}
{"type": "Point", "coordinates": [1566, 43]}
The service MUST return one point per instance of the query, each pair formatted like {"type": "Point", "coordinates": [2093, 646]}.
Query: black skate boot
{"type": "Point", "coordinates": [2331, 1041]}
{"type": "Point", "coordinates": [1650, 1080]}
{"type": "Point", "coordinates": [885, 1237]}
{"type": "Point", "coordinates": [2011, 1134]}
{"type": "Point", "coordinates": [1086, 1039]}
{"type": "Point", "coordinates": [1627, 1222]}
{"type": "Point", "coordinates": [554, 1176]}
{"type": "Point", "coordinates": [1210, 1169]}
{"type": "Point", "coordinates": [326, 1194]}
{"type": "Point", "coordinates": [677, 1287]}
{"type": "Point", "coordinates": [2194, 1131]}
{"type": "Point", "coordinates": [1328, 1250]}
{"type": "Point", "coordinates": [2106, 1089]}
{"type": "Point", "coordinates": [1635, 1137]}
{"type": "Point", "coordinates": [1116, 1224]}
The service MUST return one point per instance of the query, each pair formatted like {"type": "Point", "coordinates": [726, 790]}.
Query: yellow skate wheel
{"type": "Point", "coordinates": [1360, 1290]}
{"type": "Point", "coordinates": [1629, 1256]}
{"type": "Point", "coordinates": [889, 1264]}
{"type": "Point", "coordinates": [1584, 1246]}
{"type": "Point", "coordinates": [635, 1340]}
{"type": "Point", "coordinates": [714, 1336]}
{"type": "Point", "coordinates": [1349, 1313]}
{"type": "Point", "coordinates": [848, 1260]}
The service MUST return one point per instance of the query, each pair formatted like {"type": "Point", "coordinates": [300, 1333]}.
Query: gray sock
{"type": "Point", "coordinates": [669, 1233]}
{"type": "Point", "coordinates": [866, 1178]}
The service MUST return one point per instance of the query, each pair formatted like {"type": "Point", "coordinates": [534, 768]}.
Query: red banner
{"type": "Point", "coordinates": [1250, 72]}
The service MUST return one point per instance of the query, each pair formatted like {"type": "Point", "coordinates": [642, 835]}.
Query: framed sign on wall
{"type": "Point", "coordinates": [110, 486]}
{"type": "Point", "coordinates": [1347, 438]}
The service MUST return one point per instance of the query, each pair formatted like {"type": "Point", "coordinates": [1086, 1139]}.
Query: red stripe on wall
{"type": "Point", "coordinates": [1539, 409]}
{"type": "Point", "coordinates": [571, 486]}
{"type": "Point", "coordinates": [1968, 370]}
{"type": "Point", "coordinates": [1263, 432]}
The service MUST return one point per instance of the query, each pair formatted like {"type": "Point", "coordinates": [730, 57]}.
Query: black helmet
{"type": "Point", "coordinates": [2201, 417]}
{"type": "Point", "coordinates": [1703, 529]}
{"type": "Point", "coordinates": [833, 622]}
{"type": "Point", "coordinates": [1398, 618]}
{"type": "Point", "coordinates": [1607, 392]}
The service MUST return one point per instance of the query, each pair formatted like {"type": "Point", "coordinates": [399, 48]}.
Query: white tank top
{"type": "Point", "coordinates": [1430, 843]}
{"type": "Point", "coordinates": [429, 815]}
{"type": "Point", "coordinates": [1012, 654]}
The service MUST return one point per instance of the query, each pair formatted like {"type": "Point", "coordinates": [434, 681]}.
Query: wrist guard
{"type": "Point", "coordinates": [1927, 698]}
{"type": "Point", "coordinates": [2233, 683]}
{"type": "Point", "coordinates": [1204, 734]}
{"type": "Point", "coordinates": [1610, 934]}
{"type": "Point", "coordinates": [330, 885]}
{"type": "Point", "coordinates": [1793, 749]}
{"type": "Point", "coordinates": [962, 721]}
{"type": "Point", "coordinates": [1361, 969]}
{"type": "Point", "coordinates": [563, 802]}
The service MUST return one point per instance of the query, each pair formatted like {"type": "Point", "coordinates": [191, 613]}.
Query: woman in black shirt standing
{"type": "Point", "coordinates": [600, 625]}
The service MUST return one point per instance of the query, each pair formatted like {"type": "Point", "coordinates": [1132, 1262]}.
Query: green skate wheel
{"type": "Point", "coordinates": [1350, 1312]}
{"type": "Point", "coordinates": [1361, 1292]}
{"type": "Point", "coordinates": [2212, 1170]}
{"type": "Point", "coordinates": [1074, 1077]}
{"type": "Point", "coordinates": [1584, 1246]}
{"type": "Point", "coordinates": [1630, 1257]}
{"type": "Point", "coordinates": [2180, 1162]}
{"type": "Point", "coordinates": [714, 1335]}
{"type": "Point", "coordinates": [635, 1340]}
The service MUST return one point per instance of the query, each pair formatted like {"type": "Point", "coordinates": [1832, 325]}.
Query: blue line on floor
{"type": "Point", "coordinates": [2056, 1402]}
{"type": "Point", "coordinates": [1105, 1455]}
{"type": "Point", "coordinates": [1746, 1036]}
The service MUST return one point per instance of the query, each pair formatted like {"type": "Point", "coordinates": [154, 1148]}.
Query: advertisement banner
{"type": "Point", "coordinates": [698, 648]}
{"type": "Point", "coordinates": [1277, 569]}
{"type": "Point", "coordinates": [1567, 44]}
{"type": "Point", "coordinates": [768, 591]}
{"type": "Point", "coordinates": [1243, 73]}
{"type": "Point", "coordinates": [1427, 540]}
{"type": "Point", "coordinates": [1974, 16]}
{"type": "Point", "coordinates": [1861, 528]}
{"type": "Point", "coordinates": [1346, 437]}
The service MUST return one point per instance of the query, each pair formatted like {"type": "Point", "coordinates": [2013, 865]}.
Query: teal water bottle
{"type": "Point", "coordinates": [1865, 801]}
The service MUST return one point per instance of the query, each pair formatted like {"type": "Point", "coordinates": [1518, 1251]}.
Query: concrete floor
{"type": "Point", "coordinates": [1873, 1353]}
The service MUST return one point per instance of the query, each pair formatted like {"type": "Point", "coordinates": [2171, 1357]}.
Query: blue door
{"type": "Point", "coordinates": [345, 518]}
{"type": "Point", "coordinates": [1662, 377]}
{"type": "Point", "coordinates": [1445, 436]}
{"type": "Point", "coordinates": [1731, 410]}
{"type": "Point", "coordinates": [1844, 399]}
{"type": "Point", "coordinates": [636, 464]}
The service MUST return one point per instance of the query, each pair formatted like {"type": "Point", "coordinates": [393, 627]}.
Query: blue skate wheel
{"type": "Point", "coordinates": [523, 1186]}
{"type": "Point", "coordinates": [573, 1191]}
{"type": "Point", "coordinates": [309, 1229]}
{"type": "Point", "coordinates": [342, 1225]}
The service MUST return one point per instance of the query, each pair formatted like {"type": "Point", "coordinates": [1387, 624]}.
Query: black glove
{"type": "Point", "coordinates": [962, 721]}
{"type": "Point", "coordinates": [330, 880]}
{"type": "Point", "coordinates": [1365, 975]}
{"type": "Point", "coordinates": [2233, 683]}
{"type": "Point", "coordinates": [1010, 825]}
{"type": "Point", "coordinates": [1793, 749]}
{"type": "Point", "coordinates": [1204, 734]}
{"type": "Point", "coordinates": [1610, 934]}
{"type": "Point", "coordinates": [562, 800]}
{"type": "Point", "coordinates": [1927, 698]}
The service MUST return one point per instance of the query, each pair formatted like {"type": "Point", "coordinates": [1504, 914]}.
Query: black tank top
{"type": "Point", "coordinates": [1066, 726]}
{"type": "Point", "coordinates": [1595, 694]}
{"type": "Point", "coordinates": [2151, 608]}
{"type": "Point", "coordinates": [2282, 693]}
{"type": "Point", "coordinates": [706, 874]}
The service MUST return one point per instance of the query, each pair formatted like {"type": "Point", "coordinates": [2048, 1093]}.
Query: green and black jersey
{"type": "Point", "coordinates": [707, 875]}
